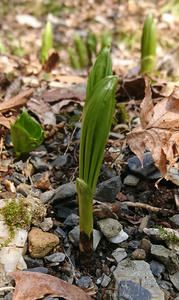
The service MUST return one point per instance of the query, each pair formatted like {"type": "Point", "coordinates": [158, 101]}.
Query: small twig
{"type": "Point", "coordinates": [5, 288]}
{"type": "Point", "coordinates": [146, 206]}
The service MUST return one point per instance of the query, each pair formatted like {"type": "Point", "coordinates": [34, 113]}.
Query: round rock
{"type": "Point", "coordinates": [109, 227]}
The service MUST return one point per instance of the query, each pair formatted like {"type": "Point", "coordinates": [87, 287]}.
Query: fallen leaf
{"type": "Point", "coordinates": [57, 95]}
{"type": "Point", "coordinates": [69, 79]}
{"type": "Point", "coordinates": [34, 285]}
{"type": "Point", "coordinates": [5, 121]}
{"type": "Point", "coordinates": [52, 62]}
{"type": "Point", "coordinates": [42, 110]}
{"type": "Point", "coordinates": [16, 101]}
{"type": "Point", "coordinates": [43, 183]}
{"type": "Point", "coordinates": [159, 130]}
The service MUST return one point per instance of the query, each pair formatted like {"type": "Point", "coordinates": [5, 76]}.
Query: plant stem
{"type": "Point", "coordinates": [85, 202]}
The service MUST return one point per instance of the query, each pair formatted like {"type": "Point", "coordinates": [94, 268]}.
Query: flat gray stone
{"type": "Point", "coordinates": [105, 280]}
{"type": "Point", "coordinates": [119, 254]}
{"type": "Point", "coordinates": [107, 190]}
{"type": "Point", "coordinates": [175, 220]}
{"type": "Point", "coordinates": [129, 290]}
{"type": "Point", "coordinates": [139, 272]}
{"type": "Point", "coordinates": [168, 257]}
{"type": "Point", "coordinates": [66, 190]}
{"type": "Point", "coordinates": [131, 180]}
{"type": "Point", "coordinates": [175, 280]}
{"type": "Point", "coordinates": [46, 196]}
{"type": "Point", "coordinates": [109, 227]}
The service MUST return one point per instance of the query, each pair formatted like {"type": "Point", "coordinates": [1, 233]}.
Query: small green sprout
{"type": "Point", "coordinates": [26, 134]}
{"type": "Point", "coordinates": [106, 39]}
{"type": "Point", "coordinates": [73, 58]}
{"type": "Point", "coordinates": [96, 123]}
{"type": "Point", "coordinates": [47, 42]}
{"type": "Point", "coordinates": [101, 68]}
{"type": "Point", "coordinates": [148, 46]}
{"type": "Point", "coordinates": [91, 45]}
{"type": "Point", "coordinates": [81, 50]}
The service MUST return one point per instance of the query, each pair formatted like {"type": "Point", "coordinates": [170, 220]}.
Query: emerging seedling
{"type": "Point", "coordinates": [81, 50]}
{"type": "Point", "coordinates": [47, 42]}
{"type": "Point", "coordinates": [96, 123]}
{"type": "Point", "coordinates": [148, 46]}
{"type": "Point", "coordinates": [26, 134]}
{"type": "Point", "coordinates": [91, 45]}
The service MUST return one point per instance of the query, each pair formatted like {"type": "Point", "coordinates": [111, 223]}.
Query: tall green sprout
{"type": "Point", "coordinates": [148, 46]}
{"type": "Point", "coordinates": [47, 42]}
{"type": "Point", "coordinates": [97, 118]}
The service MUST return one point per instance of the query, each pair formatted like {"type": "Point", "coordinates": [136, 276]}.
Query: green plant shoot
{"type": "Point", "coordinates": [91, 46]}
{"type": "Point", "coordinates": [148, 46]}
{"type": "Point", "coordinates": [81, 50]}
{"type": "Point", "coordinates": [73, 58]}
{"type": "Point", "coordinates": [26, 134]}
{"type": "Point", "coordinates": [101, 68]}
{"type": "Point", "coordinates": [96, 123]}
{"type": "Point", "coordinates": [47, 42]}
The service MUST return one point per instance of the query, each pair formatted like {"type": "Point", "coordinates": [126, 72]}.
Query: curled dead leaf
{"type": "Point", "coordinates": [34, 285]}
{"type": "Point", "coordinates": [159, 130]}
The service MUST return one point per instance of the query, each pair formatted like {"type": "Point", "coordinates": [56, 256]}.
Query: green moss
{"type": "Point", "coordinates": [16, 215]}
{"type": "Point", "coordinates": [168, 236]}
{"type": "Point", "coordinates": [121, 115]}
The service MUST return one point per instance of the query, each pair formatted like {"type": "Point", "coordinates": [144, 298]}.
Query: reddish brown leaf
{"type": "Point", "coordinates": [52, 62]}
{"type": "Point", "coordinates": [16, 101]}
{"type": "Point", "coordinates": [159, 130]}
{"type": "Point", "coordinates": [5, 121]}
{"type": "Point", "coordinates": [34, 285]}
{"type": "Point", "coordinates": [57, 95]}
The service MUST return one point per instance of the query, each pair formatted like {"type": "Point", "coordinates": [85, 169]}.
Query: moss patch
{"type": "Point", "coordinates": [16, 215]}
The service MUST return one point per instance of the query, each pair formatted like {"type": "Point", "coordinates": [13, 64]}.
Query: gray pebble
{"type": "Point", "coordinates": [56, 257]}
{"type": "Point", "coordinates": [107, 190]}
{"type": "Point", "coordinates": [132, 291]}
{"type": "Point", "coordinates": [66, 190]}
{"type": "Point", "coordinates": [46, 196]}
{"type": "Point", "coordinates": [175, 220]}
{"type": "Point", "coordinates": [131, 180]}
{"type": "Point", "coordinates": [105, 280]}
{"type": "Point", "coordinates": [156, 268]}
{"type": "Point", "coordinates": [84, 281]}
{"type": "Point", "coordinates": [39, 164]}
{"type": "Point", "coordinates": [71, 220]}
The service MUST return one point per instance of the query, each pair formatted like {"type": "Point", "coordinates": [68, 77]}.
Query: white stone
{"type": "Point", "coordinates": [140, 273]}
{"type": "Point", "coordinates": [12, 260]}
{"type": "Point", "coordinates": [28, 20]}
{"type": "Point", "coordinates": [121, 237]}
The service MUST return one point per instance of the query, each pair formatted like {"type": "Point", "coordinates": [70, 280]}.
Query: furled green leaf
{"type": "Point", "coordinates": [26, 134]}
{"type": "Point", "coordinates": [148, 46]}
{"type": "Point", "coordinates": [91, 45]}
{"type": "Point", "coordinates": [101, 68]}
{"type": "Point", "coordinates": [81, 50]}
{"type": "Point", "coordinates": [47, 42]}
{"type": "Point", "coordinates": [73, 58]}
{"type": "Point", "coordinates": [97, 119]}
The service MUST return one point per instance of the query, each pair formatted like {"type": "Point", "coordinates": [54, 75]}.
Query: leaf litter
{"type": "Point", "coordinates": [158, 131]}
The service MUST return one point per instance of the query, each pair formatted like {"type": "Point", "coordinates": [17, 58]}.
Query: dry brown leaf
{"type": "Point", "coordinates": [57, 95]}
{"type": "Point", "coordinates": [159, 130]}
{"type": "Point", "coordinates": [52, 62]}
{"type": "Point", "coordinates": [42, 110]}
{"type": "Point", "coordinates": [69, 79]}
{"type": "Point", "coordinates": [16, 101]}
{"type": "Point", "coordinates": [34, 285]}
{"type": "Point", "coordinates": [5, 121]}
